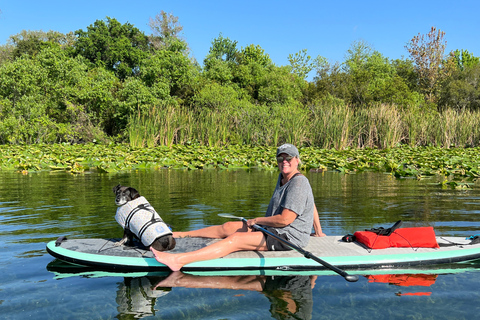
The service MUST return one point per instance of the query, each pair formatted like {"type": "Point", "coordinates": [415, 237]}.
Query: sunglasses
{"type": "Point", "coordinates": [288, 158]}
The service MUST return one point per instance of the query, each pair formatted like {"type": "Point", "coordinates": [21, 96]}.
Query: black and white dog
{"type": "Point", "coordinates": [139, 219]}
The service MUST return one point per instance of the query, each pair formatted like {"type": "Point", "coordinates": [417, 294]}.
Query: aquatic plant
{"type": "Point", "coordinates": [458, 166]}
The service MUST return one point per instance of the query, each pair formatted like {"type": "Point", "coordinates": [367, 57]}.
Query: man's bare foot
{"type": "Point", "coordinates": [167, 259]}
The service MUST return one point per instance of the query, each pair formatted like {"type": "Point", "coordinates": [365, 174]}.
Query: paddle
{"type": "Point", "coordinates": [306, 254]}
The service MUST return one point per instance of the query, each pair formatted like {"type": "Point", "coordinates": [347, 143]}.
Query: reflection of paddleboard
{"type": "Point", "coordinates": [62, 269]}
{"type": "Point", "coordinates": [102, 254]}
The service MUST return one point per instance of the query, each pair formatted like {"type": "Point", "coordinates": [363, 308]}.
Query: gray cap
{"type": "Point", "coordinates": [289, 149]}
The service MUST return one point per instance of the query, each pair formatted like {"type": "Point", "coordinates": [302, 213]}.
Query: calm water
{"type": "Point", "coordinates": [37, 208]}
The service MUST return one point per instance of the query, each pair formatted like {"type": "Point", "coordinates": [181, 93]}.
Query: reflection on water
{"type": "Point", "coordinates": [37, 208]}
{"type": "Point", "coordinates": [290, 296]}
{"type": "Point", "coordinates": [137, 297]}
{"type": "Point", "coordinates": [406, 280]}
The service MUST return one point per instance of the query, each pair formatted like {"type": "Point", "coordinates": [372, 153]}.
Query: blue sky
{"type": "Point", "coordinates": [326, 28]}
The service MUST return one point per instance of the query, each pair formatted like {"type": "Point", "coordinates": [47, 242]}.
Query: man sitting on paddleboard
{"type": "Point", "coordinates": [290, 215]}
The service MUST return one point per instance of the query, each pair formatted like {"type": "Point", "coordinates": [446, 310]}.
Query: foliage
{"type": "Point", "coordinates": [222, 49]}
{"type": "Point", "coordinates": [366, 78]}
{"type": "Point", "coordinates": [462, 89]}
{"type": "Point", "coordinates": [457, 165]}
{"type": "Point", "coordinates": [301, 64]}
{"type": "Point", "coordinates": [168, 73]}
{"type": "Point", "coordinates": [119, 48]}
{"type": "Point", "coordinates": [427, 52]}
{"type": "Point", "coordinates": [166, 31]}
{"type": "Point", "coordinates": [253, 54]}
{"type": "Point", "coordinates": [114, 83]}
{"type": "Point", "coordinates": [465, 59]}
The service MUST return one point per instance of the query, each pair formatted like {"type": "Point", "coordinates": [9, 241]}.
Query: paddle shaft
{"type": "Point", "coordinates": [306, 254]}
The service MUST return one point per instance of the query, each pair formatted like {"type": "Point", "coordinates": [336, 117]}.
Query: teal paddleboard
{"type": "Point", "coordinates": [104, 254]}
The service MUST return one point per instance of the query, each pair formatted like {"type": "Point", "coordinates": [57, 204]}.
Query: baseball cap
{"type": "Point", "coordinates": [289, 149]}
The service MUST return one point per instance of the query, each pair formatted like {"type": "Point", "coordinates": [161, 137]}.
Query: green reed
{"type": "Point", "coordinates": [332, 125]}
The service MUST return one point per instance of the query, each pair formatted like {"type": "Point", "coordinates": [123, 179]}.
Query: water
{"type": "Point", "coordinates": [37, 208]}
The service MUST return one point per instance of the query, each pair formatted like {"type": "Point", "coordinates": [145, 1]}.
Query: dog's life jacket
{"type": "Point", "coordinates": [139, 217]}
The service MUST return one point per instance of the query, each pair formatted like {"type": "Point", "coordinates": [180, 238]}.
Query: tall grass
{"type": "Point", "coordinates": [160, 126]}
{"type": "Point", "coordinates": [331, 125]}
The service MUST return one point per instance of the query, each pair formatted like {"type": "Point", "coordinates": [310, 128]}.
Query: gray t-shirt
{"type": "Point", "coordinates": [295, 195]}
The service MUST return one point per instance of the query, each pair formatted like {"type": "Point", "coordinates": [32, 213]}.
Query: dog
{"type": "Point", "coordinates": [140, 220]}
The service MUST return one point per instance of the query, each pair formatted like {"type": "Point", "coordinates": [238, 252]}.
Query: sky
{"type": "Point", "coordinates": [325, 28]}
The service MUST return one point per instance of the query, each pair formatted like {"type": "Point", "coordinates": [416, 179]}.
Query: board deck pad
{"type": "Point", "coordinates": [104, 254]}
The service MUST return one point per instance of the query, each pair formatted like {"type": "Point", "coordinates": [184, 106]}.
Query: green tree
{"type": "Point", "coordinates": [253, 54]}
{"type": "Point", "coordinates": [301, 63]}
{"type": "Point", "coordinates": [365, 78]}
{"type": "Point", "coordinates": [359, 78]}
{"type": "Point", "coordinates": [251, 65]}
{"type": "Point", "coordinates": [330, 82]}
{"type": "Point", "coordinates": [461, 90]}
{"type": "Point", "coordinates": [465, 59]}
{"type": "Point", "coordinates": [6, 53]}
{"type": "Point", "coordinates": [220, 62]}
{"type": "Point", "coordinates": [32, 42]}
{"type": "Point", "coordinates": [24, 103]}
{"type": "Point", "coordinates": [222, 49]}
{"type": "Point", "coordinates": [406, 70]}
{"type": "Point", "coordinates": [51, 97]}
{"type": "Point", "coordinates": [169, 74]}
{"type": "Point", "coordinates": [279, 86]}
{"type": "Point", "coordinates": [120, 48]}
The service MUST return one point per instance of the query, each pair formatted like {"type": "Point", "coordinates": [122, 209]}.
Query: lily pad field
{"type": "Point", "coordinates": [460, 167]}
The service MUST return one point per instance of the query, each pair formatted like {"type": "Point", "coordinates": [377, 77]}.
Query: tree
{"type": "Point", "coordinates": [461, 90]}
{"type": "Point", "coordinates": [222, 49]}
{"type": "Point", "coordinates": [427, 53]}
{"type": "Point", "coordinates": [330, 82]}
{"type": "Point", "coordinates": [168, 74]}
{"type": "Point", "coordinates": [166, 30]}
{"type": "Point", "coordinates": [359, 76]}
{"type": "Point", "coordinates": [32, 42]}
{"type": "Point", "coordinates": [465, 59]}
{"type": "Point", "coordinates": [6, 53]}
{"type": "Point", "coordinates": [253, 54]}
{"type": "Point", "coordinates": [406, 70]}
{"type": "Point", "coordinates": [220, 60]}
{"type": "Point", "coordinates": [301, 63]}
{"type": "Point", "coordinates": [120, 48]}
{"type": "Point", "coordinates": [367, 77]}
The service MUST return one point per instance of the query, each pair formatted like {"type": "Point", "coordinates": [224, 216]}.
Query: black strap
{"type": "Point", "coordinates": [141, 206]}
{"type": "Point", "coordinates": [386, 232]}
{"type": "Point", "coordinates": [60, 240]}
{"type": "Point", "coordinates": [146, 225]}
{"type": "Point", "coordinates": [296, 174]}
{"type": "Point", "coordinates": [152, 221]}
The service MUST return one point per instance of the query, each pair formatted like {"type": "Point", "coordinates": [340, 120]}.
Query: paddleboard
{"type": "Point", "coordinates": [104, 254]}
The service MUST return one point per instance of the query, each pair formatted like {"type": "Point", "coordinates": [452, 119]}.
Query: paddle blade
{"type": "Point", "coordinates": [351, 277]}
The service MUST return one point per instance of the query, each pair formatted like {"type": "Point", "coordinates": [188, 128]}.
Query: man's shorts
{"type": "Point", "coordinates": [274, 244]}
